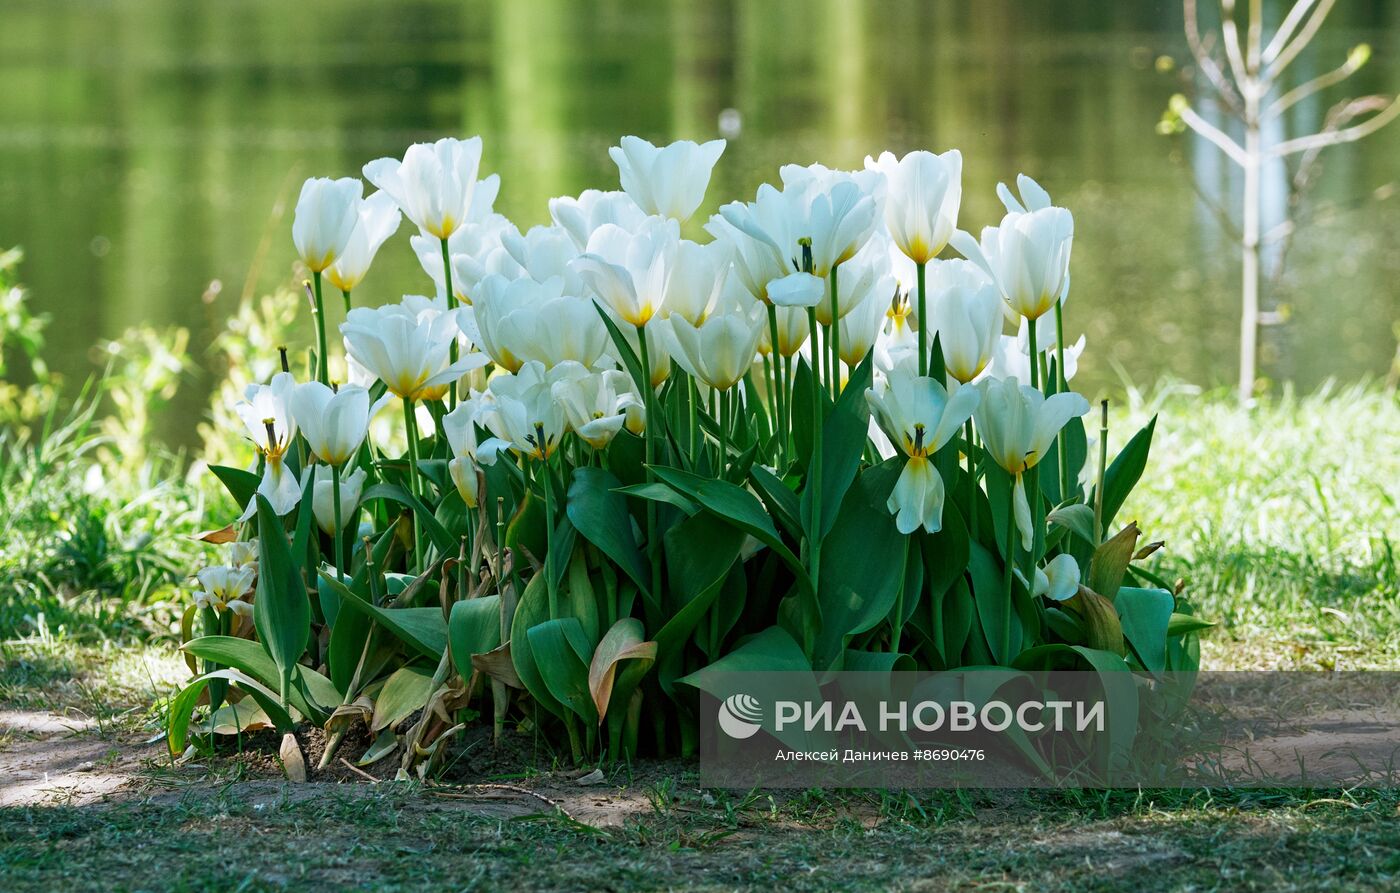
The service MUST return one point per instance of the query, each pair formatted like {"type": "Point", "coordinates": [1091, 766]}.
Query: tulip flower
{"type": "Point", "coordinates": [867, 274]}
{"type": "Point", "coordinates": [528, 320]}
{"type": "Point", "coordinates": [720, 351]}
{"type": "Point", "coordinates": [544, 253]}
{"type": "Point", "coordinates": [581, 217]}
{"type": "Point", "coordinates": [243, 553]}
{"type": "Point", "coordinates": [1018, 424]}
{"type": "Point", "coordinates": [475, 251]}
{"type": "Point", "coordinates": [334, 423]}
{"type": "Point", "coordinates": [459, 426]}
{"type": "Point", "coordinates": [379, 219]}
{"type": "Point", "coordinates": [407, 351]}
{"type": "Point", "coordinates": [698, 280]}
{"type": "Point", "coordinates": [335, 499]}
{"type": "Point", "coordinates": [797, 290]}
{"type": "Point", "coordinates": [325, 218]}
{"type": "Point", "coordinates": [923, 192]}
{"type": "Point", "coordinates": [792, 332]}
{"type": "Point", "coordinates": [919, 416]}
{"type": "Point", "coordinates": [435, 183]}
{"type": "Point", "coordinates": [523, 413]}
{"type": "Point", "coordinates": [1059, 579]}
{"type": "Point", "coordinates": [1027, 255]}
{"type": "Point", "coordinates": [862, 326]}
{"type": "Point", "coordinates": [755, 263]}
{"type": "Point", "coordinates": [630, 273]}
{"type": "Point", "coordinates": [669, 181]}
{"type": "Point", "coordinates": [266, 413]}
{"type": "Point", "coordinates": [966, 314]}
{"type": "Point", "coordinates": [224, 588]}
{"type": "Point", "coordinates": [837, 210]}
{"type": "Point", "coordinates": [1013, 359]}
{"type": "Point", "coordinates": [596, 406]}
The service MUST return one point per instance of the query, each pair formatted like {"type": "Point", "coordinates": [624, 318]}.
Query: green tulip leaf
{"type": "Point", "coordinates": [599, 513]}
{"type": "Point", "coordinates": [282, 611]}
{"type": "Point", "coordinates": [473, 627]}
{"type": "Point", "coordinates": [422, 629]}
{"type": "Point", "coordinates": [562, 653]}
{"type": "Point", "coordinates": [1146, 616]}
{"type": "Point", "coordinates": [407, 690]}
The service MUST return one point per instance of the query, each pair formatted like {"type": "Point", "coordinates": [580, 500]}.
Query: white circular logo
{"type": "Point", "coordinates": [740, 715]}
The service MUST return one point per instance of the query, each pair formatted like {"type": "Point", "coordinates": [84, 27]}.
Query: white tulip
{"type": "Point", "coordinates": [862, 326]}
{"type": "Point", "coordinates": [595, 406]}
{"type": "Point", "coordinates": [459, 426]}
{"type": "Point", "coordinates": [544, 253]}
{"type": "Point", "coordinates": [379, 219]}
{"type": "Point", "coordinates": [325, 218]}
{"type": "Point", "coordinates": [435, 183]}
{"type": "Point", "coordinates": [698, 280]}
{"type": "Point", "coordinates": [919, 416]}
{"type": "Point", "coordinates": [267, 415]}
{"type": "Point", "coordinates": [244, 553]}
{"type": "Point", "coordinates": [792, 332]}
{"type": "Point", "coordinates": [581, 217]}
{"type": "Point", "coordinates": [865, 276]}
{"type": "Point", "coordinates": [1028, 254]}
{"type": "Point", "coordinates": [630, 273]}
{"type": "Point", "coordinates": [475, 251]}
{"type": "Point", "coordinates": [1059, 579]}
{"type": "Point", "coordinates": [323, 498]}
{"type": "Point", "coordinates": [527, 320]}
{"type": "Point", "coordinates": [720, 352]}
{"type": "Point", "coordinates": [1018, 424]}
{"type": "Point", "coordinates": [669, 181]}
{"type": "Point", "coordinates": [796, 290]}
{"type": "Point", "coordinates": [755, 263]}
{"type": "Point", "coordinates": [523, 414]}
{"type": "Point", "coordinates": [923, 192]}
{"type": "Point", "coordinates": [409, 351]}
{"type": "Point", "coordinates": [334, 423]}
{"type": "Point", "coordinates": [224, 588]}
{"type": "Point", "coordinates": [838, 210]}
{"type": "Point", "coordinates": [965, 312]}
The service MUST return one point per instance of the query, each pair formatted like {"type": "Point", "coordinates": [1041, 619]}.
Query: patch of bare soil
{"type": "Point", "coordinates": [47, 759]}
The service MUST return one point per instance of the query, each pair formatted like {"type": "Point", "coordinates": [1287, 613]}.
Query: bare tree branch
{"type": "Point", "coordinates": [1255, 34]}
{"type": "Point", "coordinates": [1231, 33]}
{"type": "Point", "coordinates": [1286, 29]}
{"type": "Point", "coordinates": [1321, 82]}
{"type": "Point", "coordinates": [1212, 133]}
{"type": "Point", "coordinates": [1386, 109]}
{"type": "Point", "coordinates": [1299, 43]}
{"type": "Point", "coordinates": [1205, 61]}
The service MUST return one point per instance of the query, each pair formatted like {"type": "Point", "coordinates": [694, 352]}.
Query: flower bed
{"type": "Point", "coordinates": [629, 459]}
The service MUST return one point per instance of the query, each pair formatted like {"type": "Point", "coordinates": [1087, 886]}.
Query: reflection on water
{"type": "Point", "coordinates": [147, 149]}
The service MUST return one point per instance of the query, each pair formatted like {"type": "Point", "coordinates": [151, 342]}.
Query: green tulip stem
{"type": "Point", "coordinates": [451, 299]}
{"type": "Point", "coordinates": [1103, 466]}
{"type": "Point", "coordinates": [770, 373]}
{"type": "Point", "coordinates": [835, 338]}
{"type": "Point", "coordinates": [971, 484]}
{"type": "Point", "coordinates": [551, 585]}
{"type": "Point", "coordinates": [920, 268]}
{"type": "Point", "coordinates": [653, 421]}
{"type": "Point", "coordinates": [338, 537]}
{"type": "Point", "coordinates": [814, 466]}
{"type": "Point", "coordinates": [322, 361]}
{"type": "Point", "coordinates": [693, 426]}
{"type": "Point", "coordinates": [1063, 386]}
{"type": "Point", "coordinates": [414, 486]}
{"type": "Point", "coordinates": [779, 385]}
{"type": "Point", "coordinates": [1010, 563]}
{"type": "Point", "coordinates": [723, 433]}
{"type": "Point", "coordinates": [1035, 354]}
{"type": "Point", "coordinates": [346, 296]}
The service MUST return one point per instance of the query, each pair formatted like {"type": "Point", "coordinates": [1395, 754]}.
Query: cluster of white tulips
{"type": "Point", "coordinates": [586, 401]}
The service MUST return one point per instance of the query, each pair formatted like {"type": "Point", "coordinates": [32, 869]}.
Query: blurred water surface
{"type": "Point", "coordinates": [149, 148]}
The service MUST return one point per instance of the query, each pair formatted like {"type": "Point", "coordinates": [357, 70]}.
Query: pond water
{"type": "Point", "coordinates": [149, 148]}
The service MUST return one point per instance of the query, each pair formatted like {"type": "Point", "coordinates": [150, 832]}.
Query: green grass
{"type": "Point", "coordinates": [394, 837]}
{"type": "Point", "coordinates": [1283, 521]}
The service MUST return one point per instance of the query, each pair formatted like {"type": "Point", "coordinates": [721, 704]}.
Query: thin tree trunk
{"type": "Point", "coordinates": [1249, 243]}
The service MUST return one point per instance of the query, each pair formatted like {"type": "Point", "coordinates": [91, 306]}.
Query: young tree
{"type": "Point", "coordinates": [1244, 77]}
